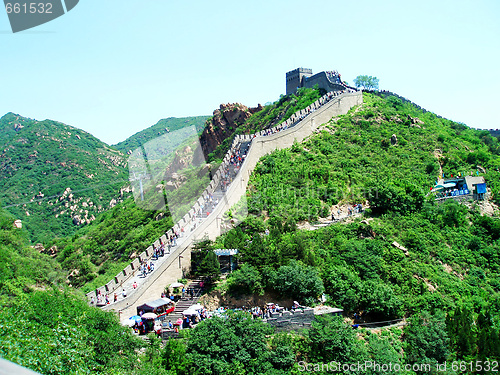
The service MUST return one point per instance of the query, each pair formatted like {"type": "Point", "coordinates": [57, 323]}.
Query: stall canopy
{"type": "Point", "coordinates": [150, 306]}
{"type": "Point", "coordinates": [481, 188]}
{"type": "Point", "coordinates": [225, 252]}
{"type": "Point", "coordinates": [190, 311]}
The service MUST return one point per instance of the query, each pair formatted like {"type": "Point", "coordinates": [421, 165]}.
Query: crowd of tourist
{"type": "Point", "coordinates": [296, 118]}
{"type": "Point", "coordinates": [334, 76]}
{"type": "Point", "coordinates": [190, 320]}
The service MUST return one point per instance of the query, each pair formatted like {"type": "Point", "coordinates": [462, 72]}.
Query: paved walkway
{"type": "Point", "coordinates": [326, 222]}
{"type": "Point", "coordinates": [155, 290]}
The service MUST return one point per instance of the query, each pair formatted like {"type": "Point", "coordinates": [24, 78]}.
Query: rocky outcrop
{"type": "Point", "coordinates": [415, 121]}
{"type": "Point", "coordinates": [223, 124]}
{"type": "Point", "coordinates": [183, 158]}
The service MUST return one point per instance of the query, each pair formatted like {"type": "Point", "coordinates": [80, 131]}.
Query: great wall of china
{"type": "Point", "coordinates": [298, 127]}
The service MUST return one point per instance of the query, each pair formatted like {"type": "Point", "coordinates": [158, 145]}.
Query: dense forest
{"type": "Point", "coordinates": [437, 265]}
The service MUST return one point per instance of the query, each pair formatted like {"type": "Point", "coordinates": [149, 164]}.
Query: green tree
{"type": "Point", "coordinates": [380, 300]}
{"type": "Point", "coordinates": [343, 286]}
{"type": "Point", "coordinates": [233, 345]}
{"type": "Point", "coordinates": [461, 330]}
{"type": "Point", "coordinates": [383, 349]}
{"type": "Point", "coordinates": [398, 197]}
{"type": "Point", "coordinates": [426, 339]}
{"type": "Point", "coordinates": [259, 254]}
{"type": "Point", "coordinates": [367, 82]}
{"type": "Point", "coordinates": [246, 280]}
{"type": "Point", "coordinates": [488, 341]}
{"type": "Point", "coordinates": [330, 339]}
{"type": "Point", "coordinates": [174, 357]}
{"type": "Point", "coordinates": [298, 281]}
{"type": "Point", "coordinates": [209, 267]}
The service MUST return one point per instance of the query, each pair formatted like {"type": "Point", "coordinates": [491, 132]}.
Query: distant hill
{"type": "Point", "coordinates": [495, 132]}
{"type": "Point", "coordinates": [160, 128]}
{"type": "Point", "coordinates": [55, 177]}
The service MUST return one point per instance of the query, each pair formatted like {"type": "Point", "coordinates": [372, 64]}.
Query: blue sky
{"type": "Point", "coordinates": [115, 67]}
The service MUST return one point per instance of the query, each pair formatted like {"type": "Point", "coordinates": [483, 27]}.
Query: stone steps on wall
{"type": "Point", "coordinates": [185, 302]}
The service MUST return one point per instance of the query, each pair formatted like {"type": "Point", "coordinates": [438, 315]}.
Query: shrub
{"type": "Point", "coordinates": [298, 281]}
{"type": "Point", "coordinates": [246, 280]}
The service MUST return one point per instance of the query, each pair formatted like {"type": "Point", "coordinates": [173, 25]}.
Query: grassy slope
{"type": "Point", "coordinates": [102, 249]}
{"type": "Point", "coordinates": [48, 328]}
{"type": "Point", "coordinates": [353, 155]}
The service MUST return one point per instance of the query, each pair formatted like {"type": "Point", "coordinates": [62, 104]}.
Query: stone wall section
{"type": "Point", "coordinates": [292, 320]}
{"type": "Point", "coordinates": [297, 128]}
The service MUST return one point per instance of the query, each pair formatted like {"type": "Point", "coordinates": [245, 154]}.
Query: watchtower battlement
{"type": "Point", "coordinates": [303, 77]}
{"type": "Point", "coordinates": [295, 78]}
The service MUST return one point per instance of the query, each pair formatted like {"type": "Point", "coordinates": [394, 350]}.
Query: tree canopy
{"type": "Point", "coordinates": [367, 82]}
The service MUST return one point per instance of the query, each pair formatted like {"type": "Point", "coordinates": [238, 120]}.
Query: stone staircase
{"type": "Point", "coordinates": [185, 303]}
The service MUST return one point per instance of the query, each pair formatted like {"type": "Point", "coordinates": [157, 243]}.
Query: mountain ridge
{"type": "Point", "coordinates": [162, 127]}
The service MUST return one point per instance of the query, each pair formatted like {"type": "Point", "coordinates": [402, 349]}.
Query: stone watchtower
{"type": "Point", "coordinates": [295, 78]}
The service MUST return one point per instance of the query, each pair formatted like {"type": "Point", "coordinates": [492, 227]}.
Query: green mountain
{"type": "Point", "coordinates": [55, 177]}
{"type": "Point", "coordinates": [162, 127]}
{"type": "Point", "coordinates": [407, 256]}
{"type": "Point", "coordinates": [436, 265]}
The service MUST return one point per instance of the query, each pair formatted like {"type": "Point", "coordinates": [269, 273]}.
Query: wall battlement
{"type": "Point", "coordinates": [303, 77]}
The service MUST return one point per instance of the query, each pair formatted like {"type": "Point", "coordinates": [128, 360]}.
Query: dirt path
{"type": "Point", "coordinates": [326, 221]}
{"type": "Point", "coordinates": [437, 154]}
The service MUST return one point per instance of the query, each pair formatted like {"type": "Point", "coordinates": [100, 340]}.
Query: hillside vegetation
{"type": "Point", "coordinates": [55, 177]}
{"type": "Point", "coordinates": [447, 260]}
{"type": "Point", "coordinates": [435, 265]}
{"type": "Point", "coordinates": [48, 328]}
{"type": "Point", "coordinates": [99, 251]}
{"type": "Point", "coordinates": [102, 249]}
{"type": "Point", "coordinates": [269, 116]}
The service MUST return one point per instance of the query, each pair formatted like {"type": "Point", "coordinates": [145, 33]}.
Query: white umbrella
{"type": "Point", "coordinates": [196, 306]}
{"type": "Point", "coordinates": [190, 311]}
{"type": "Point", "coordinates": [149, 315]}
{"type": "Point", "coordinates": [176, 285]}
{"type": "Point", "coordinates": [128, 322]}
